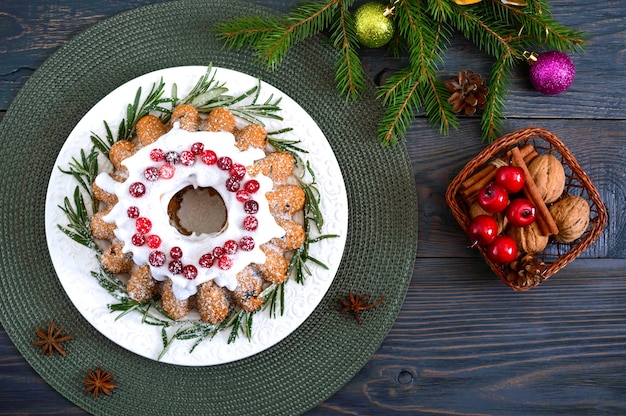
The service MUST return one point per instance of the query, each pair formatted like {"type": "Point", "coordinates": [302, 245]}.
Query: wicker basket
{"type": "Point", "coordinates": [556, 255]}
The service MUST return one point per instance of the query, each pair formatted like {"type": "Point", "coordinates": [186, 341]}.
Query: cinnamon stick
{"type": "Point", "coordinates": [544, 219]}
{"type": "Point", "coordinates": [476, 182]}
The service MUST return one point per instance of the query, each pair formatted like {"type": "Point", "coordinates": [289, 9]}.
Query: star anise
{"type": "Point", "coordinates": [357, 304]}
{"type": "Point", "coordinates": [51, 340]}
{"type": "Point", "coordinates": [99, 381]}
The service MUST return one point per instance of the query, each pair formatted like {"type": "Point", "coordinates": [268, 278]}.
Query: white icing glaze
{"type": "Point", "coordinates": [153, 205]}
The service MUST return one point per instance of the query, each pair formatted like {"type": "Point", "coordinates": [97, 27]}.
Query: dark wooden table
{"type": "Point", "coordinates": [463, 343]}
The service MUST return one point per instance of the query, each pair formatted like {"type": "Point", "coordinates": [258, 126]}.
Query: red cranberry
{"type": "Point", "coordinates": [207, 260]}
{"type": "Point", "coordinates": [190, 272]}
{"type": "Point", "coordinates": [224, 263]}
{"type": "Point", "coordinates": [187, 158]}
{"type": "Point", "coordinates": [167, 171]}
{"type": "Point", "coordinates": [232, 184]}
{"type": "Point", "coordinates": [250, 223]}
{"type": "Point", "coordinates": [132, 212]}
{"type": "Point", "coordinates": [224, 163]}
{"type": "Point", "coordinates": [218, 252]}
{"type": "Point", "coordinates": [143, 225]}
{"type": "Point", "coordinates": [156, 258]}
{"type": "Point", "coordinates": [154, 241]}
{"type": "Point", "coordinates": [138, 239]}
{"type": "Point", "coordinates": [251, 206]}
{"type": "Point", "coordinates": [157, 155]}
{"type": "Point", "coordinates": [252, 186]}
{"type": "Point", "coordinates": [137, 189]}
{"type": "Point", "coordinates": [242, 196]}
{"type": "Point", "coordinates": [231, 247]}
{"type": "Point", "coordinates": [175, 267]}
{"type": "Point", "coordinates": [246, 243]}
{"type": "Point", "coordinates": [237, 170]}
{"type": "Point", "coordinates": [151, 174]}
{"type": "Point", "coordinates": [197, 148]}
{"type": "Point", "coordinates": [176, 252]}
{"type": "Point", "coordinates": [209, 157]}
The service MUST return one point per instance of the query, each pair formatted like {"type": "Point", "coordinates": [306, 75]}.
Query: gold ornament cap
{"type": "Point", "coordinates": [531, 57]}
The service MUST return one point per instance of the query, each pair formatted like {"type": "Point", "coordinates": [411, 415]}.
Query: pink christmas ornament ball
{"type": "Point", "coordinates": [551, 72]}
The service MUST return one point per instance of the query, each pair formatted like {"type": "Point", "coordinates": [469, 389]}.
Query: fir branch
{"type": "Point", "coordinates": [488, 34]}
{"type": "Point", "coordinates": [349, 74]}
{"type": "Point", "coordinates": [272, 38]}
{"type": "Point", "coordinates": [436, 106]}
{"type": "Point", "coordinates": [492, 117]}
{"type": "Point", "coordinates": [247, 31]}
{"type": "Point", "coordinates": [401, 99]}
{"type": "Point", "coordinates": [423, 31]}
{"type": "Point", "coordinates": [304, 21]}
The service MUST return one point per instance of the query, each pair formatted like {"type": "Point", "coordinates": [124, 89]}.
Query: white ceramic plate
{"type": "Point", "coordinates": [74, 262]}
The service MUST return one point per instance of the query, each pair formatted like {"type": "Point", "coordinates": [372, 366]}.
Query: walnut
{"type": "Point", "coordinates": [549, 176]}
{"type": "Point", "coordinates": [571, 215]}
{"type": "Point", "coordinates": [529, 238]}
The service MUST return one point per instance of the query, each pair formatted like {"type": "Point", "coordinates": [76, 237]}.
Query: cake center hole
{"type": "Point", "coordinates": [197, 211]}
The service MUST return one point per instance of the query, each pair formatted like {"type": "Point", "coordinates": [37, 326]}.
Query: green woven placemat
{"type": "Point", "coordinates": [299, 372]}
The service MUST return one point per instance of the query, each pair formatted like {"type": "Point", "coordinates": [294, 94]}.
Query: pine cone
{"type": "Point", "coordinates": [528, 271]}
{"type": "Point", "coordinates": [469, 92]}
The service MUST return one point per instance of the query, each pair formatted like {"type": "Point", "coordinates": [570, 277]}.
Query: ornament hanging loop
{"type": "Point", "coordinates": [531, 57]}
{"type": "Point", "coordinates": [388, 12]}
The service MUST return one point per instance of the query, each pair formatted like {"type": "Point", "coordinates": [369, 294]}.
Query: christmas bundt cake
{"type": "Point", "coordinates": [199, 213]}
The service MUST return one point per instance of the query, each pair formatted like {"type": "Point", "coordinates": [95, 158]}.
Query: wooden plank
{"type": "Point", "coordinates": [35, 30]}
{"type": "Point", "coordinates": [466, 344]}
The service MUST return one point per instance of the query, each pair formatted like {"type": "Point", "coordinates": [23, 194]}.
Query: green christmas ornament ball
{"type": "Point", "coordinates": [373, 27]}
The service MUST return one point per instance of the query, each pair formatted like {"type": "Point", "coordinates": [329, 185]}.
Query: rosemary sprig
{"type": "Point", "coordinates": [134, 111]}
{"type": "Point", "coordinates": [312, 209]}
{"type": "Point", "coordinates": [206, 90]}
{"type": "Point", "coordinates": [110, 283]}
{"type": "Point", "coordinates": [284, 145]}
{"type": "Point", "coordinates": [274, 295]}
{"type": "Point", "coordinates": [197, 330]}
{"type": "Point", "coordinates": [208, 94]}
{"type": "Point", "coordinates": [240, 322]}
{"type": "Point", "coordinates": [252, 112]}
{"type": "Point", "coordinates": [78, 216]}
{"type": "Point", "coordinates": [84, 171]}
{"type": "Point", "coordinates": [299, 261]}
